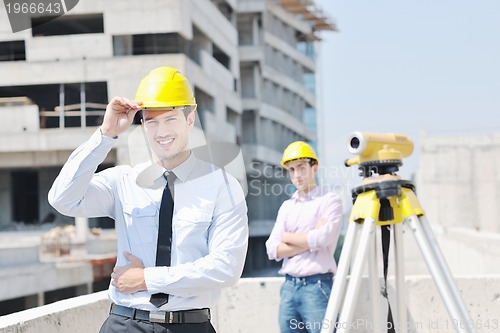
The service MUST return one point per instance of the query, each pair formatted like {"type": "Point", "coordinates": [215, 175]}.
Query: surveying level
{"type": "Point", "coordinates": [387, 201]}
{"type": "Point", "coordinates": [380, 153]}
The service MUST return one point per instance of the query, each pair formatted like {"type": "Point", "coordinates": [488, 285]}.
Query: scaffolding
{"type": "Point", "coordinates": [310, 12]}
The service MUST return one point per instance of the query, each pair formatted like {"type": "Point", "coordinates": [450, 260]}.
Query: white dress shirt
{"type": "Point", "coordinates": [209, 224]}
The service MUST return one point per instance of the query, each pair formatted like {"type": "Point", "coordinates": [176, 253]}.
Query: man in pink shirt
{"type": "Point", "coordinates": [305, 237]}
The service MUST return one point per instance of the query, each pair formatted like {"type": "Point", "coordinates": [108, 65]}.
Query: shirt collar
{"type": "Point", "coordinates": [183, 170]}
{"type": "Point", "coordinates": [151, 174]}
{"type": "Point", "coordinates": [312, 194]}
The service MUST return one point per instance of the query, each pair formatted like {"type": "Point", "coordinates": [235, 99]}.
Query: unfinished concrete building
{"type": "Point", "coordinates": [277, 66]}
{"type": "Point", "coordinates": [251, 65]}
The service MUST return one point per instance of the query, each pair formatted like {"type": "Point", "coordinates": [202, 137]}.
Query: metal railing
{"type": "Point", "coordinates": [79, 110]}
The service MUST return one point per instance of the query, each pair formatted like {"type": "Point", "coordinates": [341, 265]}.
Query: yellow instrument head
{"type": "Point", "coordinates": [373, 147]}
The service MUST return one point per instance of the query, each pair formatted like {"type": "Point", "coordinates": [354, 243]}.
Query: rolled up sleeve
{"type": "Point", "coordinates": [276, 235]}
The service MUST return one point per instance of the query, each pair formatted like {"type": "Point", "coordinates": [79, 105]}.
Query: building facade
{"type": "Point", "coordinates": [458, 181]}
{"type": "Point", "coordinates": [251, 65]}
{"type": "Point", "coordinates": [277, 66]}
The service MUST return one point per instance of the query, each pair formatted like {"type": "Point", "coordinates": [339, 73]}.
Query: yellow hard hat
{"type": "Point", "coordinates": [298, 150]}
{"type": "Point", "coordinates": [164, 87]}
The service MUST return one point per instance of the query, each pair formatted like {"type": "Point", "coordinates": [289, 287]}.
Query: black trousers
{"type": "Point", "coordinates": [119, 324]}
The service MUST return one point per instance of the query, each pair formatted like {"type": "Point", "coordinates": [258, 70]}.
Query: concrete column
{"type": "Point", "coordinates": [82, 227]}
{"type": "Point", "coordinates": [31, 301]}
{"type": "Point", "coordinates": [5, 198]}
{"type": "Point", "coordinates": [255, 30]}
{"type": "Point", "coordinates": [258, 128]}
{"type": "Point", "coordinates": [61, 105]}
{"type": "Point", "coordinates": [41, 299]}
{"type": "Point", "coordinates": [257, 80]}
{"type": "Point", "coordinates": [83, 114]}
{"type": "Point", "coordinates": [82, 289]}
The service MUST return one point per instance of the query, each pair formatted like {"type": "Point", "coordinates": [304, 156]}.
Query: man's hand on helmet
{"type": "Point", "coordinates": [119, 116]}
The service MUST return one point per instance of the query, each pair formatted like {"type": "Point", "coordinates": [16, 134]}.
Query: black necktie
{"type": "Point", "coordinates": [164, 243]}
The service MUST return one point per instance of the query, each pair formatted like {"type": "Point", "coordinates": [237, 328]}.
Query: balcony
{"type": "Point", "coordinates": [252, 306]}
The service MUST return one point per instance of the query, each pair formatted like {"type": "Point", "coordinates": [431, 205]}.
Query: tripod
{"type": "Point", "coordinates": [387, 201]}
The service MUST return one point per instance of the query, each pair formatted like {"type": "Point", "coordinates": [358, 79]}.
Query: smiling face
{"type": "Point", "coordinates": [302, 174]}
{"type": "Point", "coordinates": [168, 134]}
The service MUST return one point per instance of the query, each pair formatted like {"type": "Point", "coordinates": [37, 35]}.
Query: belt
{"type": "Point", "coordinates": [310, 278]}
{"type": "Point", "coordinates": [163, 317]}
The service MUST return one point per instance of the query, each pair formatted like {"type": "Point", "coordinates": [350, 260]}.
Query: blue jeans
{"type": "Point", "coordinates": [303, 303]}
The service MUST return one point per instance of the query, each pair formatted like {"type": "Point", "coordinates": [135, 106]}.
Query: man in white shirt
{"type": "Point", "coordinates": [205, 233]}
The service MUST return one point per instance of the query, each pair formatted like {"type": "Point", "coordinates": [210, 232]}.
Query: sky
{"type": "Point", "coordinates": [406, 66]}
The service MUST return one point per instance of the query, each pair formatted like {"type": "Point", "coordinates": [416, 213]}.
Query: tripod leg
{"type": "Point", "coordinates": [340, 280]}
{"type": "Point", "coordinates": [355, 279]}
{"type": "Point", "coordinates": [400, 277]}
{"type": "Point", "coordinates": [440, 273]}
{"type": "Point", "coordinates": [374, 285]}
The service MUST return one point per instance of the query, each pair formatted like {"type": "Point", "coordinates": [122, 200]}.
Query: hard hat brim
{"type": "Point", "coordinates": [308, 159]}
{"type": "Point", "coordinates": [160, 105]}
